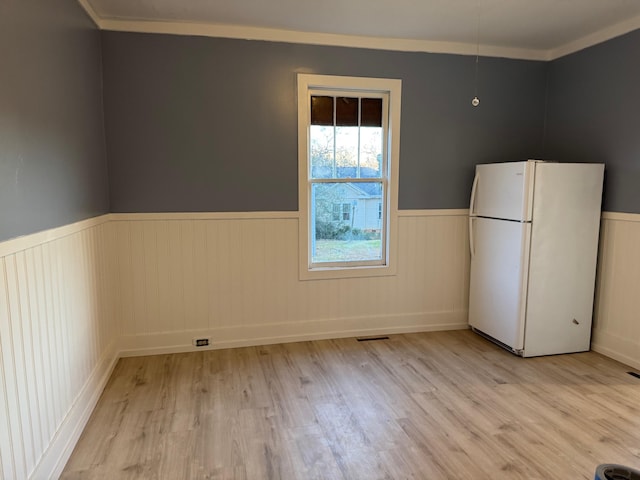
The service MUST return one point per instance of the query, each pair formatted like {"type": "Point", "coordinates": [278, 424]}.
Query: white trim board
{"type": "Point", "coordinates": [18, 244]}
{"type": "Point", "coordinates": [204, 216]}
{"type": "Point", "coordinates": [447, 212]}
{"type": "Point", "coordinates": [595, 38]}
{"type": "Point", "coordinates": [377, 43]}
{"type": "Point", "coordinates": [255, 335]}
{"type": "Point", "coordinates": [620, 216]}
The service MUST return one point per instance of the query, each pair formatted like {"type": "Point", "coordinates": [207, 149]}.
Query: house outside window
{"type": "Point", "coordinates": [348, 137]}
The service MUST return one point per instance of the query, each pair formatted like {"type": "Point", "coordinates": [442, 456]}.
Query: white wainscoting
{"type": "Point", "coordinates": [616, 331]}
{"type": "Point", "coordinates": [74, 299]}
{"type": "Point", "coordinates": [234, 278]}
{"type": "Point", "coordinates": [57, 341]}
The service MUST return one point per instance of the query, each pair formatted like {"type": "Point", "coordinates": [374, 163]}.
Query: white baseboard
{"type": "Point", "coordinates": [624, 350]}
{"type": "Point", "coordinates": [616, 355]}
{"type": "Point", "coordinates": [61, 447]}
{"type": "Point", "coordinates": [244, 336]}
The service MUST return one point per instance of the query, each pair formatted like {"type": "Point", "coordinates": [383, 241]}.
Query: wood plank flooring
{"type": "Point", "coordinates": [444, 405]}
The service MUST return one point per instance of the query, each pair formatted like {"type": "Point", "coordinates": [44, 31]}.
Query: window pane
{"type": "Point", "coordinates": [347, 112]}
{"type": "Point", "coordinates": [321, 110]}
{"type": "Point", "coordinates": [370, 152]}
{"type": "Point", "coordinates": [321, 152]}
{"type": "Point", "coordinates": [371, 115]}
{"type": "Point", "coordinates": [347, 152]}
{"type": "Point", "coordinates": [346, 222]}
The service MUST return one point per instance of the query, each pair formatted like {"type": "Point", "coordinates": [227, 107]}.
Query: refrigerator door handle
{"type": "Point", "coordinates": [472, 203]}
{"type": "Point", "coordinates": [471, 241]}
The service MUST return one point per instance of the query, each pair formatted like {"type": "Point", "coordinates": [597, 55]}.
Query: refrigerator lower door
{"type": "Point", "coordinates": [498, 283]}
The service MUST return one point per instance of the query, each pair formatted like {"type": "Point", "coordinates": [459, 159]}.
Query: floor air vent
{"type": "Point", "coordinates": [634, 374]}
{"type": "Point", "coordinates": [371, 339]}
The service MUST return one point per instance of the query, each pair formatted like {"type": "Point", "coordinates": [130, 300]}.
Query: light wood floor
{"type": "Point", "coordinates": [446, 405]}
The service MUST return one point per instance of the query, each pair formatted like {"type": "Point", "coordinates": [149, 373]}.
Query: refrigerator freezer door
{"type": "Point", "coordinates": [499, 264]}
{"type": "Point", "coordinates": [503, 190]}
{"type": "Point", "coordinates": [564, 248]}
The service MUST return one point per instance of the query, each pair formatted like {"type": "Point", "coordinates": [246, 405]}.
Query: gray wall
{"type": "Point", "coordinates": [52, 151]}
{"type": "Point", "coordinates": [594, 115]}
{"type": "Point", "coordinates": [202, 124]}
{"type": "Point", "coordinates": [206, 124]}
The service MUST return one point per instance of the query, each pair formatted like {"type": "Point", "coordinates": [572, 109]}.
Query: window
{"type": "Point", "coordinates": [336, 212]}
{"type": "Point", "coordinates": [348, 131]}
{"type": "Point", "coordinates": [346, 211]}
{"type": "Point", "coordinates": [345, 208]}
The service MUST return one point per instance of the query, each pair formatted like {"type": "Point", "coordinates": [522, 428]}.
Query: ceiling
{"type": "Point", "coordinates": [539, 29]}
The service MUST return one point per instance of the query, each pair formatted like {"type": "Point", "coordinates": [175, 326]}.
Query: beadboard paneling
{"type": "Point", "coordinates": [57, 343]}
{"type": "Point", "coordinates": [616, 331]}
{"type": "Point", "coordinates": [236, 281]}
{"type": "Point", "coordinates": [72, 298]}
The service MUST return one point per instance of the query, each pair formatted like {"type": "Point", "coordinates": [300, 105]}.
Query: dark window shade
{"type": "Point", "coordinates": [371, 112]}
{"type": "Point", "coordinates": [346, 112]}
{"type": "Point", "coordinates": [321, 110]}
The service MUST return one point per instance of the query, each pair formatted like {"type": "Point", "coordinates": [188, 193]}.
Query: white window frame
{"type": "Point", "coordinates": [363, 85]}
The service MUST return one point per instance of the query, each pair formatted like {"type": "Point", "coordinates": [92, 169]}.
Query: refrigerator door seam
{"type": "Point", "coordinates": [502, 219]}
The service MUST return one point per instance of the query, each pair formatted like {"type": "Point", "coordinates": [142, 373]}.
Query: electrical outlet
{"type": "Point", "coordinates": [200, 342]}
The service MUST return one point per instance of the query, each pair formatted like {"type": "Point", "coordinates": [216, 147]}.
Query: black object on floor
{"type": "Point", "coordinates": [610, 471]}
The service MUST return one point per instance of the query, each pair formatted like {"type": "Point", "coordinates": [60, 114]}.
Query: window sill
{"type": "Point", "coordinates": [346, 272]}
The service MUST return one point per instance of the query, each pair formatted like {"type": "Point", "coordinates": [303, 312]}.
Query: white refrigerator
{"type": "Point", "coordinates": [533, 238]}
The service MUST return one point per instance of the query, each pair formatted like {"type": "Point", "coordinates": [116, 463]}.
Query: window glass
{"type": "Point", "coordinates": [347, 222]}
{"type": "Point", "coordinates": [347, 139]}
{"type": "Point", "coordinates": [370, 152]}
{"type": "Point", "coordinates": [321, 151]}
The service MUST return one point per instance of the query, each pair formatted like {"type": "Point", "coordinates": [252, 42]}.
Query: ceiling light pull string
{"type": "Point", "coordinates": [476, 101]}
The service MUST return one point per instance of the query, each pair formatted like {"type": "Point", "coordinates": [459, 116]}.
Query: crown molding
{"type": "Point", "coordinates": [312, 38]}
{"type": "Point", "coordinates": [91, 12]}
{"type": "Point", "coordinates": [338, 40]}
{"type": "Point", "coordinates": [595, 38]}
